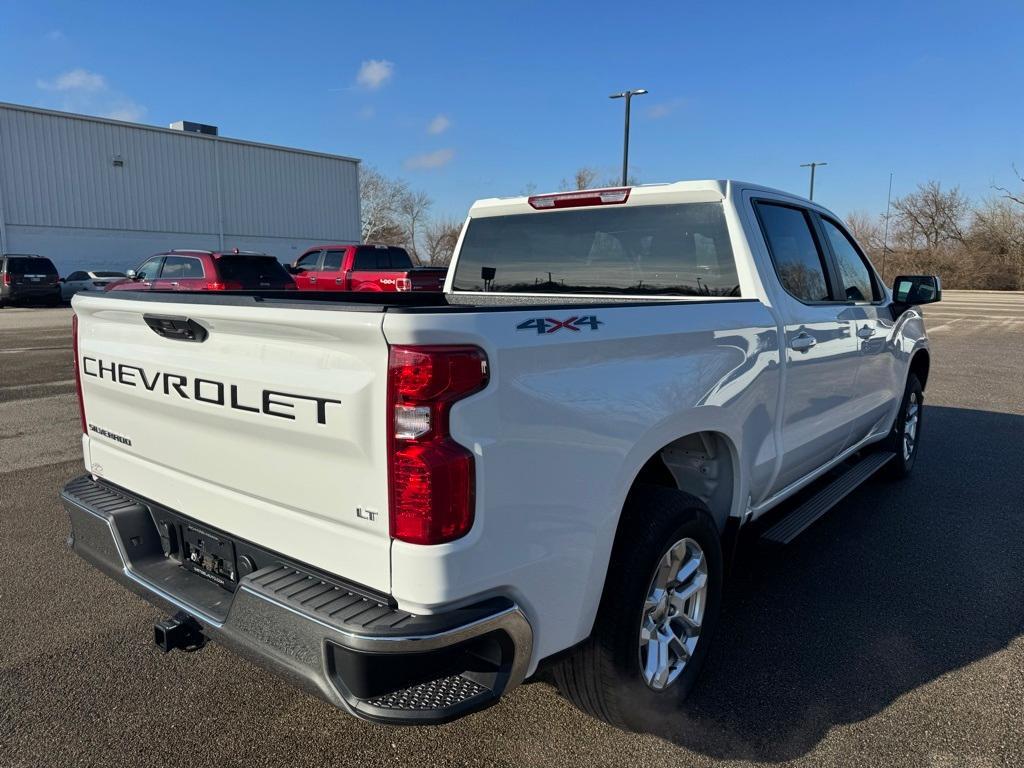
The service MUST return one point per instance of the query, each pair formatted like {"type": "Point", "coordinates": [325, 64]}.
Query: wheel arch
{"type": "Point", "coordinates": [920, 364]}
{"type": "Point", "coordinates": [702, 463]}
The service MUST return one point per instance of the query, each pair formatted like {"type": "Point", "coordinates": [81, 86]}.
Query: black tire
{"type": "Point", "coordinates": [603, 677]}
{"type": "Point", "coordinates": [901, 466]}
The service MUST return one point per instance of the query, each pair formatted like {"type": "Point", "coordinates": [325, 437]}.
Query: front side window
{"type": "Point", "coordinates": [149, 269]}
{"type": "Point", "coordinates": [794, 250]}
{"type": "Point", "coordinates": [853, 272]}
{"type": "Point", "coordinates": [182, 268]}
{"type": "Point", "coordinates": [679, 249]}
{"type": "Point", "coordinates": [308, 262]}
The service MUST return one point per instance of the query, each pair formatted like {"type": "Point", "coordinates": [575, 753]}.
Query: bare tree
{"type": "Point", "coordinates": [584, 178]}
{"type": "Point", "coordinates": [930, 218]}
{"type": "Point", "coordinates": [380, 199]}
{"type": "Point", "coordinates": [413, 208]}
{"type": "Point", "coordinates": [440, 239]}
{"type": "Point", "coordinates": [1016, 198]}
{"type": "Point", "coordinates": [867, 231]}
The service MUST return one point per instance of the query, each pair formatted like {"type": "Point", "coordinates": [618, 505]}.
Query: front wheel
{"type": "Point", "coordinates": [658, 612]}
{"type": "Point", "coordinates": [906, 431]}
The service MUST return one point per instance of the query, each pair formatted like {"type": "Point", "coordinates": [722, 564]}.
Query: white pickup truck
{"type": "Point", "coordinates": [408, 503]}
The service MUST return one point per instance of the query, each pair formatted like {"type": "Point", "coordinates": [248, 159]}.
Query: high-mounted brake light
{"type": "Point", "coordinates": [580, 199]}
{"type": "Point", "coordinates": [430, 476]}
{"type": "Point", "coordinates": [78, 372]}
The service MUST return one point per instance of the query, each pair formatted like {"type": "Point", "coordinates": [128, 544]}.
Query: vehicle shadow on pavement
{"type": "Point", "coordinates": [900, 584]}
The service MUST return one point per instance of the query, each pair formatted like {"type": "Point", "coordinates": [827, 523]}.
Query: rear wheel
{"type": "Point", "coordinates": [657, 614]}
{"type": "Point", "coordinates": [906, 431]}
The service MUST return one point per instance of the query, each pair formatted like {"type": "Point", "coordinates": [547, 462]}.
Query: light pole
{"type": "Point", "coordinates": [885, 237]}
{"type": "Point", "coordinates": [627, 95]}
{"type": "Point", "coordinates": [812, 166]}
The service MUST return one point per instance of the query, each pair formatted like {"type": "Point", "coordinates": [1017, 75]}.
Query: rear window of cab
{"type": "Point", "coordinates": [680, 249]}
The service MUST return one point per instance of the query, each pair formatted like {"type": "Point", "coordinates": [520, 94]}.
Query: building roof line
{"type": "Point", "coordinates": [158, 129]}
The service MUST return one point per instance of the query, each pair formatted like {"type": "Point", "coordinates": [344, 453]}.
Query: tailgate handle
{"type": "Point", "coordinates": [179, 328]}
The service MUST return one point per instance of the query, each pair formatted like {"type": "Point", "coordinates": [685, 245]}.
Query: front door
{"type": "Point", "coordinates": [306, 269]}
{"type": "Point", "coordinates": [879, 386]}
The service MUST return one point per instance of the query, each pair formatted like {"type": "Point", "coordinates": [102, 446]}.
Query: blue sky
{"type": "Point", "coordinates": [469, 100]}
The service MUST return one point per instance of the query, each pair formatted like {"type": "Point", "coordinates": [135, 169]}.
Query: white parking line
{"type": "Point", "coordinates": [943, 327]}
{"type": "Point", "coordinates": [17, 387]}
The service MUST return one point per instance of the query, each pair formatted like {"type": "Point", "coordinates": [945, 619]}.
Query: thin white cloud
{"type": "Point", "coordinates": [664, 108]}
{"type": "Point", "coordinates": [89, 92]}
{"type": "Point", "coordinates": [374, 73]}
{"type": "Point", "coordinates": [429, 160]}
{"type": "Point", "coordinates": [75, 80]}
{"type": "Point", "coordinates": [439, 125]}
{"type": "Point", "coordinates": [54, 35]}
{"type": "Point", "coordinates": [128, 111]}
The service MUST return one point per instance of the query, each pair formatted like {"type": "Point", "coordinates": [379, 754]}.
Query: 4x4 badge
{"type": "Point", "coordinates": [550, 324]}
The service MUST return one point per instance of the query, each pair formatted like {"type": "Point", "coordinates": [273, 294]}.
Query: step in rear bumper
{"type": "Point", "coordinates": [367, 657]}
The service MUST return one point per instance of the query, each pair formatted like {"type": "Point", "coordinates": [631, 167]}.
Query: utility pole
{"type": "Point", "coordinates": [885, 237]}
{"type": "Point", "coordinates": [812, 166]}
{"type": "Point", "coordinates": [627, 95]}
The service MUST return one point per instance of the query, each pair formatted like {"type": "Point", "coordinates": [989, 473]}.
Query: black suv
{"type": "Point", "coordinates": [28, 278]}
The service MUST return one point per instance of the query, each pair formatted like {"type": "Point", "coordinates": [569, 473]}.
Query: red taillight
{"type": "Point", "coordinates": [226, 285]}
{"type": "Point", "coordinates": [7, 278]}
{"type": "Point", "coordinates": [430, 476]}
{"type": "Point", "coordinates": [403, 284]}
{"type": "Point", "coordinates": [78, 373]}
{"type": "Point", "coordinates": [580, 199]}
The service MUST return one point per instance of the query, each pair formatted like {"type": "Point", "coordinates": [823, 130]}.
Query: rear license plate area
{"type": "Point", "coordinates": [209, 555]}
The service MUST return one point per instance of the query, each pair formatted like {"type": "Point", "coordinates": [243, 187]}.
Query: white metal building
{"type": "Point", "coordinates": [95, 193]}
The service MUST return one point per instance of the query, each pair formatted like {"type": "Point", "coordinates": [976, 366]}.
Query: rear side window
{"type": "Point", "coordinates": [108, 274]}
{"type": "Point", "coordinates": [253, 271]}
{"type": "Point", "coordinates": [21, 266]}
{"type": "Point", "coordinates": [182, 268]}
{"type": "Point", "coordinates": [794, 249]}
{"type": "Point", "coordinates": [373, 257]}
{"type": "Point", "coordinates": [853, 271]}
{"type": "Point", "coordinates": [76, 276]}
{"type": "Point", "coordinates": [681, 249]}
{"type": "Point", "coordinates": [333, 261]}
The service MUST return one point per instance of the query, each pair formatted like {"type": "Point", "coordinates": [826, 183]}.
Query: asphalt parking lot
{"type": "Point", "coordinates": [891, 633]}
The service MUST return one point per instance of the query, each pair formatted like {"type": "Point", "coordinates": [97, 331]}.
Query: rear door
{"type": "Point", "coordinates": [331, 277]}
{"type": "Point", "coordinates": [821, 353]}
{"type": "Point", "coordinates": [271, 428]}
{"type": "Point", "coordinates": [307, 267]}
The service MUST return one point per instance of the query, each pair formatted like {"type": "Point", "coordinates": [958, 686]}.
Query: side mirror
{"type": "Point", "coordinates": [131, 274]}
{"type": "Point", "coordinates": [912, 290]}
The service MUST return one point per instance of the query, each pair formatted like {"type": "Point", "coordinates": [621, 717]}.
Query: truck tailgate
{"type": "Point", "coordinates": [272, 428]}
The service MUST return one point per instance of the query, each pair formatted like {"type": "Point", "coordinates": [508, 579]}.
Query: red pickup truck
{"type": "Point", "coordinates": [384, 268]}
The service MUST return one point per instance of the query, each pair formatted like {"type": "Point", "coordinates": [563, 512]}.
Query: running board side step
{"type": "Point", "coordinates": [801, 518]}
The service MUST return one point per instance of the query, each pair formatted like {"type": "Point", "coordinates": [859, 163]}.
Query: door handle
{"type": "Point", "coordinates": [337, 281]}
{"type": "Point", "coordinates": [865, 332]}
{"type": "Point", "coordinates": [312, 279]}
{"type": "Point", "coordinates": [803, 342]}
{"type": "Point", "coordinates": [175, 283]}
